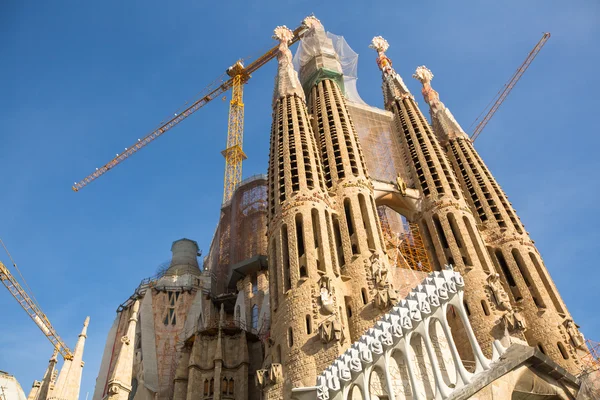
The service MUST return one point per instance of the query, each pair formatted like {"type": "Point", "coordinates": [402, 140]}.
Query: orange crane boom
{"type": "Point", "coordinates": [508, 87]}
{"type": "Point", "coordinates": [233, 153]}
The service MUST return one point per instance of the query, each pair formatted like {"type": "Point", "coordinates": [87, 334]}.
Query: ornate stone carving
{"type": "Point", "coordinates": [385, 294]}
{"type": "Point", "coordinates": [401, 185]}
{"type": "Point", "coordinates": [125, 339]}
{"type": "Point", "coordinates": [573, 331]}
{"type": "Point", "coordinates": [330, 330]}
{"type": "Point", "coordinates": [327, 304]}
{"type": "Point", "coordinates": [275, 372]}
{"type": "Point", "coordinates": [500, 295]}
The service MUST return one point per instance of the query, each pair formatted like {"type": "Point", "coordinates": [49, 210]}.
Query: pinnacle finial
{"type": "Point", "coordinates": [311, 21]}
{"type": "Point", "coordinates": [379, 44]}
{"type": "Point", "coordinates": [283, 34]}
{"type": "Point", "coordinates": [423, 74]}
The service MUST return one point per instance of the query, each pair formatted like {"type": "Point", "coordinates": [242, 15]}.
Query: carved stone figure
{"type": "Point", "coordinates": [500, 295]}
{"type": "Point", "coordinates": [331, 329]}
{"type": "Point", "coordinates": [327, 305]}
{"type": "Point", "coordinates": [574, 334]}
{"type": "Point", "coordinates": [378, 271]}
{"type": "Point", "coordinates": [275, 372]}
{"type": "Point", "coordinates": [401, 185]}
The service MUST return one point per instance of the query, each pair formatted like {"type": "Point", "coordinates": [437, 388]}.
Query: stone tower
{"type": "Point", "coordinates": [357, 233]}
{"type": "Point", "coordinates": [306, 290]}
{"type": "Point", "coordinates": [518, 264]}
{"type": "Point", "coordinates": [445, 219]}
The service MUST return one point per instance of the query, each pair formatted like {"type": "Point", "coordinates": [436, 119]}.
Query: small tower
{"type": "Point", "coordinates": [446, 221]}
{"type": "Point", "coordinates": [517, 261]}
{"type": "Point", "coordinates": [306, 292]}
{"type": "Point", "coordinates": [69, 380]}
{"type": "Point", "coordinates": [357, 233]}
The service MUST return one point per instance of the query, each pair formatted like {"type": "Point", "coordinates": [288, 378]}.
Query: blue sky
{"type": "Point", "coordinates": [83, 80]}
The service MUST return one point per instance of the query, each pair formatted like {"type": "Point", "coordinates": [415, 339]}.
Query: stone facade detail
{"type": "Point", "coordinates": [537, 309]}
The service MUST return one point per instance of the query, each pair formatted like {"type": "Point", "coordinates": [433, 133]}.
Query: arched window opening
{"type": "Point", "coordinates": [316, 227]}
{"type": "Point", "coordinates": [348, 308]}
{"type": "Point", "coordinates": [287, 283]}
{"type": "Point", "coordinates": [338, 240]}
{"type": "Point", "coordinates": [440, 231]}
{"type": "Point", "coordinates": [301, 251]}
{"type": "Point", "coordinates": [231, 387]}
{"type": "Point", "coordinates": [363, 292]}
{"type": "Point", "coordinates": [533, 290]}
{"type": "Point", "coordinates": [254, 280]}
{"type": "Point", "coordinates": [484, 305]}
{"type": "Point", "coordinates": [212, 386]}
{"type": "Point", "coordinates": [426, 385]}
{"type": "Point", "coordinates": [206, 389]}
{"type": "Point", "coordinates": [224, 386]}
{"type": "Point", "coordinates": [546, 281]}
{"type": "Point", "coordinates": [367, 223]}
{"type": "Point", "coordinates": [255, 317]}
{"type": "Point", "coordinates": [563, 351]}
{"type": "Point", "coordinates": [507, 274]}
{"type": "Point", "coordinates": [541, 348]}
{"type": "Point", "coordinates": [378, 384]}
{"type": "Point", "coordinates": [274, 266]}
{"type": "Point", "coordinates": [308, 325]}
{"type": "Point", "coordinates": [279, 359]}
{"type": "Point", "coordinates": [467, 308]}
{"type": "Point", "coordinates": [424, 229]}
{"type": "Point", "coordinates": [476, 244]}
{"type": "Point", "coordinates": [290, 337]}
{"type": "Point", "coordinates": [455, 230]}
{"type": "Point", "coordinates": [350, 225]}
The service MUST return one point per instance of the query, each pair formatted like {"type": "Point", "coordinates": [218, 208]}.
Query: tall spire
{"type": "Point", "coordinates": [69, 380]}
{"type": "Point", "coordinates": [119, 385]}
{"type": "Point", "coordinates": [444, 124]}
{"type": "Point", "coordinates": [286, 80]}
{"type": "Point", "coordinates": [393, 86]}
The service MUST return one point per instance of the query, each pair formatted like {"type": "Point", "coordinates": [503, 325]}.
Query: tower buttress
{"type": "Point", "coordinates": [119, 385]}
{"type": "Point", "coordinates": [306, 292]}
{"type": "Point", "coordinates": [445, 220]}
{"type": "Point", "coordinates": [358, 239]}
{"type": "Point", "coordinates": [517, 261]}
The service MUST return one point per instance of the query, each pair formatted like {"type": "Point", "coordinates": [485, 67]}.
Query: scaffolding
{"type": "Point", "coordinates": [404, 245]}
{"type": "Point", "coordinates": [241, 233]}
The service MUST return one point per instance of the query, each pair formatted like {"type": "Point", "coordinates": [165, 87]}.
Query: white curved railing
{"type": "Point", "coordinates": [397, 341]}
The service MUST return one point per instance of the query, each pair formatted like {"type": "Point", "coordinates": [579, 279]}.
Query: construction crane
{"type": "Point", "coordinates": [508, 87]}
{"type": "Point", "coordinates": [233, 153]}
{"type": "Point", "coordinates": [32, 308]}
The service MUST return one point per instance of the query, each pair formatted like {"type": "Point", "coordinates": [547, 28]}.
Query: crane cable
{"type": "Point", "coordinates": [21, 275]}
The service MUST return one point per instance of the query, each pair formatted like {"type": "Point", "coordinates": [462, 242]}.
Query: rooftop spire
{"type": "Point", "coordinates": [69, 380]}
{"type": "Point", "coordinates": [444, 124]}
{"type": "Point", "coordinates": [393, 84]}
{"type": "Point", "coordinates": [286, 81]}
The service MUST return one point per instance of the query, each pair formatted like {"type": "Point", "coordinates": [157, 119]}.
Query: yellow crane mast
{"type": "Point", "coordinates": [33, 310]}
{"type": "Point", "coordinates": [233, 153]}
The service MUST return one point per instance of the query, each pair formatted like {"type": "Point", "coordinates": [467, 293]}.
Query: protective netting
{"type": "Point", "coordinates": [335, 46]}
{"type": "Point", "coordinates": [241, 232]}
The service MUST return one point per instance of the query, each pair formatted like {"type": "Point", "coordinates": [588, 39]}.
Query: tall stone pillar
{"type": "Point", "coordinates": [306, 290]}
{"type": "Point", "coordinates": [445, 219]}
{"type": "Point", "coordinates": [520, 269]}
{"type": "Point", "coordinates": [357, 233]}
{"type": "Point", "coordinates": [119, 384]}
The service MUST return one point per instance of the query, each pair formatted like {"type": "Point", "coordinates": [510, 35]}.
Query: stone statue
{"type": "Point", "coordinates": [573, 331]}
{"type": "Point", "coordinates": [378, 271]}
{"type": "Point", "coordinates": [401, 185]}
{"type": "Point", "coordinates": [327, 305]}
{"type": "Point", "coordinates": [500, 295]}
